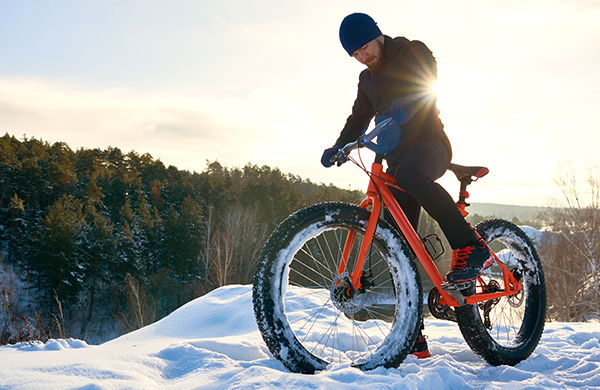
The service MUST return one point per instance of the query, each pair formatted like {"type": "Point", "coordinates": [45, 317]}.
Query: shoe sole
{"type": "Point", "coordinates": [422, 355]}
{"type": "Point", "coordinates": [463, 280]}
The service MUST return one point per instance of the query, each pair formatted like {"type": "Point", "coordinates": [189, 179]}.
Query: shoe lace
{"type": "Point", "coordinates": [460, 256]}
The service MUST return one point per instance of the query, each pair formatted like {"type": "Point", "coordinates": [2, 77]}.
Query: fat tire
{"type": "Point", "coordinates": [272, 276]}
{"type": "Point", "coordinates": [528, 335]}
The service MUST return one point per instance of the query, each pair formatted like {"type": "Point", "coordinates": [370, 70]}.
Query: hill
{"type": "Point", "coordinates": [504, 211]}
{"type": "Point", "coordinates": [213, 342]}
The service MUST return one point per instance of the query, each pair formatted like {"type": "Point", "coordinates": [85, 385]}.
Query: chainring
{"type": "Point", "coordinates": [437, 310]}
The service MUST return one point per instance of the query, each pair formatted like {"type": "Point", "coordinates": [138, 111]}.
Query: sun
{"type": "Point", "coordinates": [461, 89]}
{"type": "Point", "coordinates": [451, 96]}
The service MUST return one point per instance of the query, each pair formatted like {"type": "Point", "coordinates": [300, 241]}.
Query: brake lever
{"type": "Point", "coordinates": [340, 158]}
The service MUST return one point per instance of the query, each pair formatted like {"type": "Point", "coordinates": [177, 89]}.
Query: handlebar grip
{"type": "Point", "coordinates": [340, 157]}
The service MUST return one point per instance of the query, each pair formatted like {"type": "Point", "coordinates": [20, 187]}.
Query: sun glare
{"type": "Point", "coordinates": [462, 89]}
{"type": "Point", "coordinates": [449, 98]}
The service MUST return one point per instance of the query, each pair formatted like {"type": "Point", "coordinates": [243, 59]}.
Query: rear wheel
{"type": "Point", "coordinates": [506, 330]}
{"type": "Point", "coordinates": [307, 311]}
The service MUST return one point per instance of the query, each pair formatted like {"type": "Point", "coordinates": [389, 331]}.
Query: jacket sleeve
{"type": "Point", "coordinates": [358, 121]}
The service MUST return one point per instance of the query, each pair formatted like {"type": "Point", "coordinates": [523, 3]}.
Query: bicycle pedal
{"type": "Point", "coordinates": [456, 290]}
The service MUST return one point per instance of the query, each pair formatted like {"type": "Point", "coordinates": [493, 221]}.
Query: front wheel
{"type": "Point", "coordinates": [506, 330]}
{"type": "Point", "coordinates": [307, 312]}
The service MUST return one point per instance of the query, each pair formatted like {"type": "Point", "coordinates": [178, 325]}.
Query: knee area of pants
{"type": "Point", "coordinates": [407, 181]}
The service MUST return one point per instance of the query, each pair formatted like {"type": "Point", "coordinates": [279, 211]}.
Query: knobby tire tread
{"type": "Point", "coordinates": [469, 319]}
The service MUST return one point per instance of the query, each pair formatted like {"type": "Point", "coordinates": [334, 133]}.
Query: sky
{"type": "Point", "coordinates": [267, 82]}
{"type": "Point", "coordinates": [223, 349]}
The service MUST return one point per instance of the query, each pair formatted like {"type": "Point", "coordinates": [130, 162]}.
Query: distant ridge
{"type": "Point", "coordinates": [506, 211]}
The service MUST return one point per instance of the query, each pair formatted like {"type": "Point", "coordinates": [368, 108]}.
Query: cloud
{"type": "Point", "coordinates": [450, 37]}
{"type": "Point", "coordinates": [260, 128]}
{"type": "Point", "coordinates": [582, 4]}
{"type": "Point", "coordinates": [99, 118]}
{"type": "Point", "coordinates": [267, 82]}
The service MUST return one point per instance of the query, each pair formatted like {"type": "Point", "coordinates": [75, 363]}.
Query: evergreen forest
{"type": "Point", "coordinates": [95, 242]}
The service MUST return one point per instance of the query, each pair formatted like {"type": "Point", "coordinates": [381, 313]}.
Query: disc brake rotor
{"type": "Point", "coordinates": [343, 295]}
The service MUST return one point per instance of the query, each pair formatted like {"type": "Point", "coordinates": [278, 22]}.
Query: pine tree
{"type": "Point", "coordinates": [99, 261]}
{"type": "Point", "coordinates": [57, 260]}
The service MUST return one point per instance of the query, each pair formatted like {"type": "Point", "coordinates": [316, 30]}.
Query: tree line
{"type": "Point", "coordinates": [104, 241]}
{"type": "Point", "coordinates": [94, 243]}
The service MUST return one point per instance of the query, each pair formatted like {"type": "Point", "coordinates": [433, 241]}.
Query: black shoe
{"type": "Point", "coordinates": [468, 263]}
{"type": "Point", "coordinates": [420, 348]}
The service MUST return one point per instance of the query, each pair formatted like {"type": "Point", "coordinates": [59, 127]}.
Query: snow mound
{"type": "Point", "coordinates": [533, 234]}
{"type": "Point", "coordinates": [213, 342]}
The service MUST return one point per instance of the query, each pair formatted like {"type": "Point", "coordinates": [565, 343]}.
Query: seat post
{"type": "Point", "coordinates": [463, 195]}
{"type": "Point", "coordinates": [466, 176]}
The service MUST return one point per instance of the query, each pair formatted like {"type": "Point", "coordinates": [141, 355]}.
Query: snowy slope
{"type": "Point", "coordinates": [213, 343]}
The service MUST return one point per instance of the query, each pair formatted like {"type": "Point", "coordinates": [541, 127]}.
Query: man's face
{"type": "Point", "coordinates": [371, 55]}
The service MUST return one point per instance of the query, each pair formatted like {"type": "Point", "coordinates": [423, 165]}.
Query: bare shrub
{"type": "Point", "coordinates": [15, 325]}
{"type": "Point", "coordinates": [572, 254]}
{"type": "Point", "coordinates": [140, 309]}
{"type": "Point", "coordinates": [236, 245]}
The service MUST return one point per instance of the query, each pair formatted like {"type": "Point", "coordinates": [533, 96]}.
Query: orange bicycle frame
{"type": "Point", "coordinates": [378, 186]}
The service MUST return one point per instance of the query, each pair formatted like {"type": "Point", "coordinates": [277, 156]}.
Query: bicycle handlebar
{"type": "Point", "coordinates": [365, 140]}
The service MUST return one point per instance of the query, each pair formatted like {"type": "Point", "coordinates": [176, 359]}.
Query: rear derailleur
{"type": "Point", "coordinates": [487, 306]}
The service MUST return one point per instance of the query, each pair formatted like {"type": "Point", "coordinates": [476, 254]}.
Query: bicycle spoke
{"type": "Point", "coordinates": [307, 250]}
{"type": "Point", "coordinates": [335, 257]}
{"type": "Point", "coordinates": [302, 275]}
{"type": "Point", "coordinates": [323, 343]}
{"type": "Point", "coordinates": [316, 260]}
{"type": "Point", "coordinates": [379, 314]}
{"type": "Point", "coordinates": [505, 319]}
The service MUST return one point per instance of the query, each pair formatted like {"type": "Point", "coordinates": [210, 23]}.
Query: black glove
{"type": "Point", "coordinates": [328, 154]}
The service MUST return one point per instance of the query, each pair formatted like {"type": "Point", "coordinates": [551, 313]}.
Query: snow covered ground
{"type": "Point", "coordinates": [213, 343]}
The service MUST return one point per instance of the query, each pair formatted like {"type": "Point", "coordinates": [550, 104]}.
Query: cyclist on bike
{"type": "Point", "coordinates": [398, 82]}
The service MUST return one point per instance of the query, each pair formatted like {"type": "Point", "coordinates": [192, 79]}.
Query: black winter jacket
{"type": "Point", "coordinates": [410, 70]}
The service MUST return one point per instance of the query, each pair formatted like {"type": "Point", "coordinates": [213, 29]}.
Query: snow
{"type": "Point", "coordinates": [534, 234]}
{"type": "Point", "coordinates": [213, 343]}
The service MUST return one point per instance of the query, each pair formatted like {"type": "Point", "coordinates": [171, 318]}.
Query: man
{"type": "Point", "coordinates": [398, 82]}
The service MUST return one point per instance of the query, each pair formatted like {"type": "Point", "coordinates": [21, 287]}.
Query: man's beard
{"type": "Point", "coordinates": [377, 64]}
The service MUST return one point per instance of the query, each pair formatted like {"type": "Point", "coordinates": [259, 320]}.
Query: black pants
{"type": "Point", "coordinates": [416, 174]}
